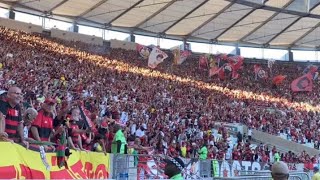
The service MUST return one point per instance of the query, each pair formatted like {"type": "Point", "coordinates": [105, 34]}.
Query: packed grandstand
{"type": "Point", "coordinates": [76, 100]}
{"type": "Point", "coordinates": [169, 108]}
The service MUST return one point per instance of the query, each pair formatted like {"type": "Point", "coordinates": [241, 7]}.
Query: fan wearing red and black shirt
{"type": "Point", "coordinates": [11, 124]}
{"type": "Point", "coordinates": [42, 126]}
{"type": "Point", "coordinates": [236, 154]}
{"type": "Point", "coordinates": [76, 135]}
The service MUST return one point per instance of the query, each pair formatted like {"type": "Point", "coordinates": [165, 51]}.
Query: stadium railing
{"type": "Point", "coordinates": [302, 175]}
{"type": "Point", "coordinates": [152, 167]}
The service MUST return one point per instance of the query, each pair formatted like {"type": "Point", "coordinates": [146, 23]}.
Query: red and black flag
{"type": "Point", "coordinates": [303, 83]}
{"type": "Point", "coordinates": [310, 68]}
{"type": "Point", "coordinates": [259, 72]}
{"type": "Point", "coordinates": [228, 66]}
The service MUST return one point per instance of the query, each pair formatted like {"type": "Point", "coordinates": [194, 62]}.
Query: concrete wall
{"type": "Point", "coordinates": [72, 36]}
{"type": "Point", "coordinates": [122, 44]}
{"type": "Point", "coordinates": [283, 143]}
{"type": "Point", "coordinates": [22, 26]}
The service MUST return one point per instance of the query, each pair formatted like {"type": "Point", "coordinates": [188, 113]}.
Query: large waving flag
{"type": "Point", "coordinates": [184, 54]}
{"type": "Point", "coordinates": [156, 57]}
{"type": "Point", "coordinates": [259, 72]}
{"type": "Point", "coordinates": [143, 51]}
{"type": "Point", "coordinates": [236, 61]}
{"type": "Point", "coordinates": [311, 68]}
{"type": "Point", "coordinates": [203, 62]}
{"type": "Point", "coordinates": [228, 66]}
{"type": "Point", "coordinates": [217, 64]}
{"type": "Point", "coordinates": [270, 63]}
{"type": "Point", "coordinates": [303, 83]}
{"type": "Point", "coordinates": [180, 55]}
{"type": "Point", "coordinates": [176, 54]}
{"type": "Point", "coordinates": [277, 80]}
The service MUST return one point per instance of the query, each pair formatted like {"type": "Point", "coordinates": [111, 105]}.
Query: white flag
{"type": "Point", "coordinates": [270, 63]}
{"type": "Point", "coordinates": [156, 57]}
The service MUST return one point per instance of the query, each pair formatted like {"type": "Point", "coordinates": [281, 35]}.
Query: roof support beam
{"type": "Point", "coordinates": [19, 5]}
{"type": "Point", "coordinates": [210, 19]}
{"type": "Point", "coordinates": [186, 15]}
{"type": "Point", "coordinates": [305, 34]}
{"type": "Point", "coordinates": [58, 5]}
{"type": "Point", "coordinates": [124, 12]}
{"type": "Point", "coordinates": [156, 13]}
{"type": "Point", "coordinates": [275, 9]}
{"type": "Point", "coordinates": [239, 20]}
{"type": "Point", "coordinates": [286, 28]}
{"type": "Point", "coordinates": [93, 7]}
{"type": "Point", "coordinates": [90, 21]}
{"type": "Point", "coordinates": [265, 22]}
{"type": "Point", "coordinates": [15, 3]}
{"type": "Point", "coordinates": [282, 31]}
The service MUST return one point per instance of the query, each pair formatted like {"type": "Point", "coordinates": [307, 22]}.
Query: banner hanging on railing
{"type": "Point", "coordinates": [153, 168]}
{"type": "Point", "coordinates": [16, 162]}
{"type": "Point", "coordinates": [232, 168]}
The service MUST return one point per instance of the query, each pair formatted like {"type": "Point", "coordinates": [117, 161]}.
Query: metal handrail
{"type": "Point", "coordinates": [125, 163]}
{"type": "Point", "coordinates": [263, 172]}
{"type": "Point", "coordinates": [256, 177]}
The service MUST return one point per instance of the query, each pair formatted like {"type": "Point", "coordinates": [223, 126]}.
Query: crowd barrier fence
{"type": "Point", "coordinates": [257, 178]}
{"type": "Point", "coordinates": [17, 162]}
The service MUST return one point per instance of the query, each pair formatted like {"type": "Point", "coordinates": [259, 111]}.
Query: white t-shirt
{"type": "Point", "coordinates": [165, 145]}
{"type": "Point", "coordinates": [161, 134]}
{"type": "Point", "coordinates": [139, 133]}
{"type": "Point", "coordinates": [133, 129]}
{"type": "Point", "coordinates": [249, 132]}
{"type": "Point", "coordinates": [124, 117]}
{"type": "Point", "coordinates": [115, 98]}
{"type": "Point", "coordinates": [199, 135]}
{"type": "Point", "coordinates": [69, 97]}
{"type": "Point", "coordinates": [228, 154]}
{"type": "Point", "coordinates": [25, 132]}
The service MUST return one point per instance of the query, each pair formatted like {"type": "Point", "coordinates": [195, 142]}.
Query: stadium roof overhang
{"type": "Point", "coordinates": [285, 24]}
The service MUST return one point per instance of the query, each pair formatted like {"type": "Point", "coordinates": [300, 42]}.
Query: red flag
{"type": "Point", "coordinates": [227, 67]}
{"type": "Point", "coordinates": [278, 79]}
{"type": "Point", "coordinates": [221, 73]}
{"type": "Point", "coordinates": [233, 69]}
{"type": "Point", "coordinates": [237, 62]}
{"type": "Point", "coordinates": [214, 71]}
{"type": "Point", "coordinates": [303, 83]}
{"type": "Point", "coordinates": [235, 75]}
{"type": "Point", "coordinates": [203, 62]}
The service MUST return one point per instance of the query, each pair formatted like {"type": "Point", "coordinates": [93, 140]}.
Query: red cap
{"type": "Point", "coordinates": [50, 101]}
{"type": "Point", "coordinates": [104, 124]}
{"type": "Point", "coordinates": [68, 117]}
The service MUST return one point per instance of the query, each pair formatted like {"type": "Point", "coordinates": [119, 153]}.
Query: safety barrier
{"type": "Point", "coordinates": [18, 162]}
{"type": "Point", "coordinates": [258, 178]}
{"type": "Point", "coordinates": [149, 167]}
{"type": "Point", "coordinates": [301, 175]}
{"type": "Point", "coordinates": [152, 167]}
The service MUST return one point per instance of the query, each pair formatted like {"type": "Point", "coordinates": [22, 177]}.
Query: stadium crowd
{"type": "Point", "coordinates": [170, 110]}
